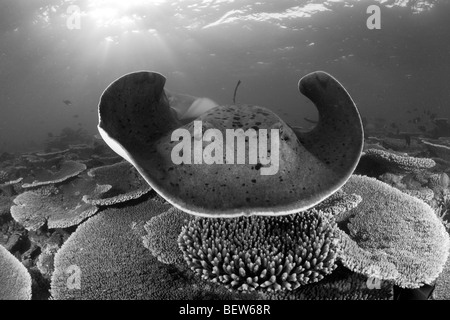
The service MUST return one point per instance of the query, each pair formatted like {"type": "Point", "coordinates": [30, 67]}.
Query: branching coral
{"type": "Point", "coordinates": [261, 252]}
{"type": "Point", "coordinates": [393, 234]}
{"type": "Point", "coordinates": [15, 281]}
{"type": "Point", "coordinates": [107, 250]}
{"type": "Point", "coordinates": [162, 235]}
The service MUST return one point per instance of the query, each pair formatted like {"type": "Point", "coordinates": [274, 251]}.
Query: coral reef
{"type": "Point", "coordinates": [261, 252]}
{"type": "Point", "coordinates": [438, 147]}
{"type": "Point", "coordinates": [162, 235]}
{"type": "Point", "coordinates": [340, 285]}
{"type": "Point", "coordinates": [424, 194]}
{"type": "Point", "coordinates": [10, 177]}
{"type": "Point", "coordinates": [442, 208]}
{"type": "Point", "coordinates": [66, 204]}
{"type": "Point", "coordinates": [15, 281]}
{"type": "Point", "coordinates": [442, 288]}
{"type": "Point", "coordinates": [338, 204]}
{"type": "Point", "coordinates": [113, 263]}
{"type": "Point", "coordinates": [58, 207]}
{"type": "Point", "coordinates": [45, 260]}
{"type": "Point", "coordinates": [392, 235]}
{"type": "Point", "coordinates": [394, 162]}
{"type": "Point", "coordinates": [395, 180]}
{"type": "Point", "coordinates": [66, 137]}
{"type": "Point", "coordinates": [51, 154]}
{"type": "Point", "coordinates": [5, 205]}
{"type": "Point", "coordinates": [124, 182]}
{"type": "Point", "coordinates": [65, 170]}
{"type": "Point", "coordinates": [439, 180]}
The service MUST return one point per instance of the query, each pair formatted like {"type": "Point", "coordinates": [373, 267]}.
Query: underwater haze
{"type": "Point", "coordinates": [57, 57]}
{"type": "Point", "coordinates": [224, 150]}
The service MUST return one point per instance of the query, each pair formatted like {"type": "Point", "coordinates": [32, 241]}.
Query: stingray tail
{"type": "Point", "coordinates": [235, 91]}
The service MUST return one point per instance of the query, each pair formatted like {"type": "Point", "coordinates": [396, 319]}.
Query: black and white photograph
{"type": "Point", "coordinates": [223, 158]}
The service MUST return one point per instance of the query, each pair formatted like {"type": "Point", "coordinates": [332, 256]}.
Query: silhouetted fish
{"type": "Point", "coordinates": [67, 102]}
{"type": "Point", "coordinates": [75, 116]}
{"type": "Point", "coordinates": [50, 135]}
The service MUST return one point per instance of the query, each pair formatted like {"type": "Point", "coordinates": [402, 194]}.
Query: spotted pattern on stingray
{"type": "Point", "coordinates": [137, 122]}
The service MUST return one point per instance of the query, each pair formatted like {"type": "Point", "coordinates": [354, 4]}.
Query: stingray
{"type": "Point", "coordinates": [187, 107]}
{"type": "Point", "coordinates": [137, 117]}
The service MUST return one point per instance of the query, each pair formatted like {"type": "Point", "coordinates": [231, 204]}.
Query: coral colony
{"type": "Point", "coordinates": [224, 202]}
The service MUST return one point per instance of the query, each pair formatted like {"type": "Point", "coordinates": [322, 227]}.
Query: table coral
{"type": "Point", "coordinates": [162, 234]}
{"type": "Point", "coordinates": [392, 235]}
{"type": "Point", "coordinates": [425, 194]}
{"type": "Point", "coordinates": [15, 281]}
{"type": "Point", "coordinates": [395, 162]}
{"type": "Point", "coordinates": [108, 251]}
{"type": "Point", "coordinates": [124, 181]}
{"type": "Point", "coordinates": [259, 252]}
{"type": "Point", "coordinates": [338, 204]}
{"type": "Point", "coordinates": [58, 207]}
{"type": "Point", "coordinates": [10, 177]}
{"type": "Point", "coordinates": [50, 154]}
{"type": "Point", "coordinates": [442, 289]}
{"type": "Point", "coordinates": [440, 148]}
{"type": "Point", "coordinates": [45, 176]}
